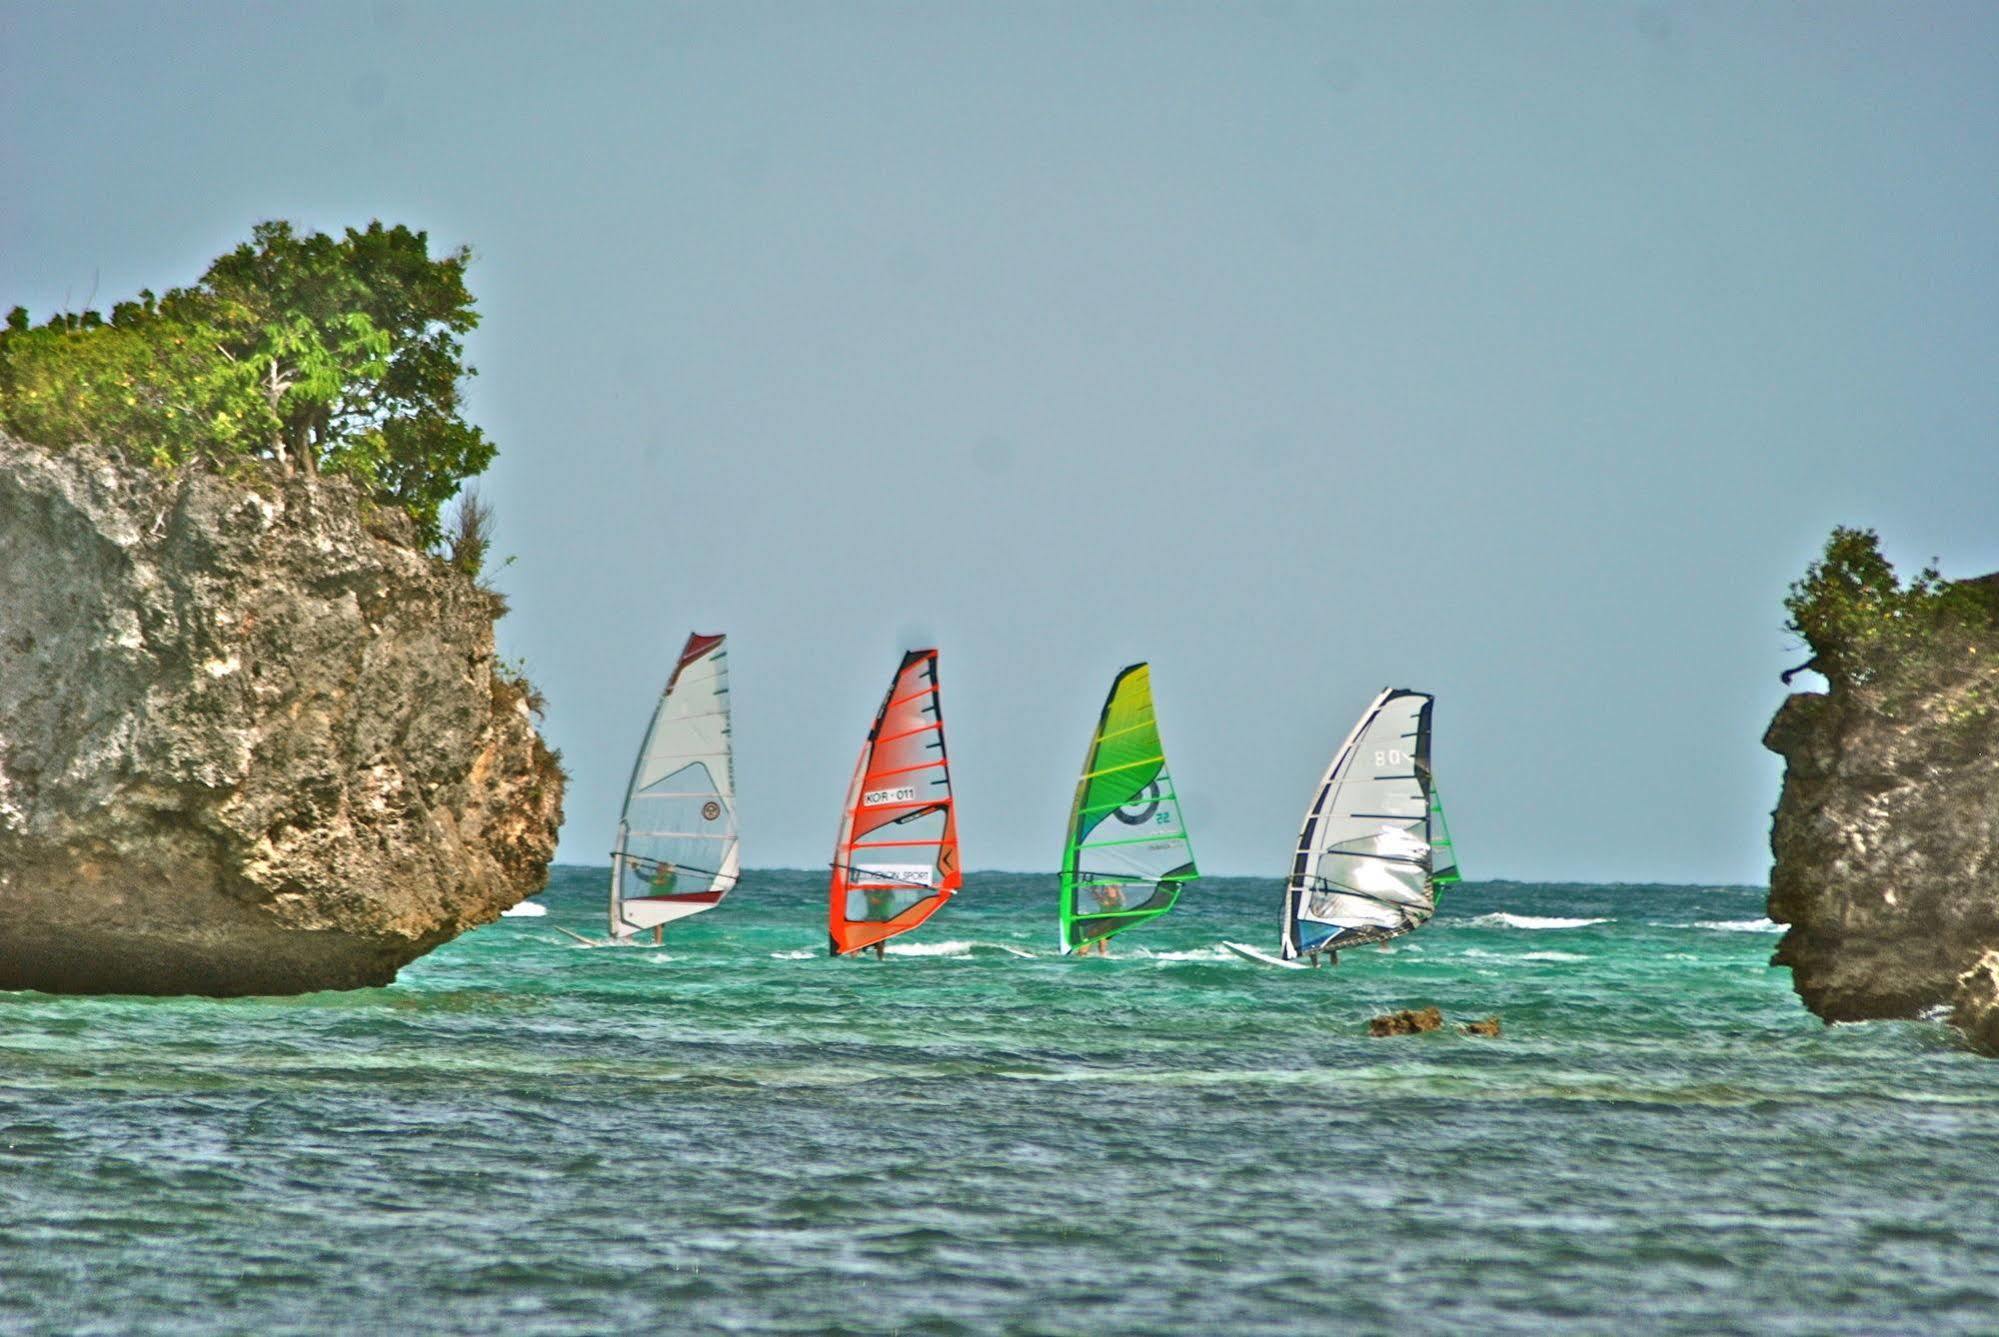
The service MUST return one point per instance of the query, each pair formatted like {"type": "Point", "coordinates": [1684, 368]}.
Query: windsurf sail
{"type": "Point", "coordinates": [1373, 853]}
{"type": "Point", "coordinates": [1128, 856]}
{"type": "Point", "coordinates": [1443, 854]}
{"type": "Point", "coordinates": [896, 860]}
{"type": "Point", "coordinates": [676, 853]}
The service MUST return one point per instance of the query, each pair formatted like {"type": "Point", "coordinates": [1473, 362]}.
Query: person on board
{"type": "Point", "coordinates": [1109, 897]}
{"type": "Point", "coordinates": [881, 909]}
{"type": "Point", "coordinates": [661, 883]}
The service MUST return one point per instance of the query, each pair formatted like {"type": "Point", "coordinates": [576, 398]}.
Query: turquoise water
{"type": "Point", "coordinates": [737, 1133]}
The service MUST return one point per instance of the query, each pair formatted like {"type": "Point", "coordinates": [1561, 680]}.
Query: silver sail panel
{"type": "Point", "coordinates": [1363, 869]}
{"type": "Point", "coordinates": [677, 846]}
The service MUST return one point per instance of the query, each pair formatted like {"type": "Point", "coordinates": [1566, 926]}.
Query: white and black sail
{"type": "Point", "coordinates": [676, 853]}
{"type": "Point", "coordinates": [1373, 852]}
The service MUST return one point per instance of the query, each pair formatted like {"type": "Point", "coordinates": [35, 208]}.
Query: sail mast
{"type": "Point", "coordinates": [895, 861]}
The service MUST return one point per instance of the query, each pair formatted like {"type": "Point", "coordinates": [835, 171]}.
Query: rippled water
{"type": "Point", "coordinates": [736, 1133]}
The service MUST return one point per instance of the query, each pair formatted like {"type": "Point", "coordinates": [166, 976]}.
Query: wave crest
{"type": "Point", "coordinates": [1501, 919]}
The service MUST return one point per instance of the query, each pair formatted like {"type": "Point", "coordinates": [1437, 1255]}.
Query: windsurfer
{"type": "Point", "coordinates": [881, 909]}
{"type": "Point", "coordinates": [1109, 898]}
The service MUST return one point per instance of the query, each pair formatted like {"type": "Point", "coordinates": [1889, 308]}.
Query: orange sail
{"type": "Point", "coordinates": [896, 862]}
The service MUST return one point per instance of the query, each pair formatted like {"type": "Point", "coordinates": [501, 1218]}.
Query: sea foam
{"type": "Point", "coordinates": [955, 947]}
{"type": "Point", "coordinates": [1196, 954]}
{"type": "Point", "coordinates": [1501, 919]}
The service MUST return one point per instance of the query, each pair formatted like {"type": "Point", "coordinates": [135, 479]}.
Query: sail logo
{"type": "Point", "coordinates": [905, 794]}
{"type": "Point", "coordinates": [710, 810]}
{"type": "Point", "coordinates": [1390, 756]}
{"type": "Point", "coordinates": [902, 874]}
{"type": "Point", "coordinates": [1142, 806]}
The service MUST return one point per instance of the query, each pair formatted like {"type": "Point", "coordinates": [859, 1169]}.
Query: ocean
{"type": "Point", "coordinates": [737, 1134]}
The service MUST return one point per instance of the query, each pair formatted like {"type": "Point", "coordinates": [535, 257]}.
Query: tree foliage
{"type": "Point", "coordinates": [1862, 622]}
{"type": "Point", "coordinates": [341, 355]}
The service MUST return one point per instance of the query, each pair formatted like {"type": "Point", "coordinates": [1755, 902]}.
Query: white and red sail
{"type": "Point", "coordinates": [896, 860]}
{"type": "Point", "coordinates": [677, 848]}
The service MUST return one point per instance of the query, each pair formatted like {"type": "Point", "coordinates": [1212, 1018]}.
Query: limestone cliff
{"type": "Point", "coordinates": [252, 739]}
{"type": "Point", "coordinates": [1886, 836]}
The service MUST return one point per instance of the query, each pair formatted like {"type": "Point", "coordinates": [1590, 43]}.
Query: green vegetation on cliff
{"type": "Point", "coordinates": [1864, 624]}
{"type": "Point", "coordinates": [337, 355]}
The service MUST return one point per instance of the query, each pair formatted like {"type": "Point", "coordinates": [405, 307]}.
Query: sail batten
{"type": "Point", "coordinates": [1113, 879]}
{"type": "Point", "coordinates": [680, 803]}
{"type": "Point", "coordinates": [1372, 853]}
{"type": "Point", "coordinates": [899, 792]}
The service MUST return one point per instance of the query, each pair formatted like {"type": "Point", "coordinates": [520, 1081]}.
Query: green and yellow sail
{"type": "Point", "coordinates": [1128, 855]}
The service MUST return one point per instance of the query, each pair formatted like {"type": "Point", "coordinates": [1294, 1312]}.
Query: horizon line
{"type": "Point", "coordinates": [1268, 877]}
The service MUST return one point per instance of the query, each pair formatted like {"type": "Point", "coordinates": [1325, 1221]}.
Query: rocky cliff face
{"type": "Point", "coordinates": [251, 736]}
{"type": "Point", "coordinates": [1886, 836]}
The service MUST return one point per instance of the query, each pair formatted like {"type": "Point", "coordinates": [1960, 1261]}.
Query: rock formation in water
{"type": "Point", "coordinates": [1975, 1011]}
{"type": "Point", "coordinates": [1407, 1022]}
{"type": "Point", "coordinates": [1489, 1028]}
{"type": "Point", "coordinates": [1886, 836]}
{"type": "Point", "coordinates": [252, 735]}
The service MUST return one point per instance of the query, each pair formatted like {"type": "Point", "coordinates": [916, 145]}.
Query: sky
{"type": "Point", "coordinates": [1522, 354]}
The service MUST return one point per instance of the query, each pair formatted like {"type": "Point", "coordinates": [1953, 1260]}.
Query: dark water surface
{"type": "Point", "coordinates": [737, 1133]}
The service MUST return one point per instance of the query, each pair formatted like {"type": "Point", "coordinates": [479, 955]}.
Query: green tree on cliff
{"type": "Point", "coordinates": [1861, 621]}
{"type": "Point", "coordinates": [341, 355]}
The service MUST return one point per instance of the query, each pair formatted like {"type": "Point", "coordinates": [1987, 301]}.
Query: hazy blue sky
{"type": "Point", "coordinates": [1521, 353]}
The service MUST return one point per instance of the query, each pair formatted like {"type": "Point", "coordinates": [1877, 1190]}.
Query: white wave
{"type": "Point", "coordinates": [1197, 954]}
{"type": "Point", "coordinates": [1741, 925]}
{"type": "Point", "coordinates": [1552, 956]}
{"type": "Point", "coordinates": [1502, 919]}
{"type": "Point", "coordinates": [525, 910]}
{"type": "Point", "coordinates": [953, 948]}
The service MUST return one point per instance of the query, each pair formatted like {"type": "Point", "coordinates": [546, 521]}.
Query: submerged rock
{"type": "Point", "coordinates": [1489, 1027]}
{"type": "Point", "coordinates": [1886, 836]}
{"type": "Point", "coordinates": [1407, 1022]}
{"type": "Point", "coordinates": [252, 739]}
